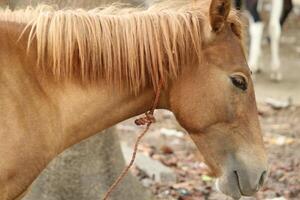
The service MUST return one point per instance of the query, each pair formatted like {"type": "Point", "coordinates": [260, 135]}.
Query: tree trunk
{"type": "Point", "coordinates": [85, 171]}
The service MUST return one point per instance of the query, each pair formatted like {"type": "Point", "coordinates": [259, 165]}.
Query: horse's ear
{"type": "Point", "coordinates": [218, 13]}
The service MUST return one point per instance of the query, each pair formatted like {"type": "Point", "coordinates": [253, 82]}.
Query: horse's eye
{"type": "Point", "coordinates": [239, 81]}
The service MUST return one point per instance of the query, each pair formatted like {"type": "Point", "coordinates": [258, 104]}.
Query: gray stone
{"type": "Point", "coordinates": [153, 168]}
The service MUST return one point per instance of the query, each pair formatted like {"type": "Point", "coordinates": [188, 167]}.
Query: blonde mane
{"type": "Point", "coordinates": [124, 46]}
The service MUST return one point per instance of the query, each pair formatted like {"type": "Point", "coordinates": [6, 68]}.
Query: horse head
{"type": "Point", "coordinates": [214, 101]}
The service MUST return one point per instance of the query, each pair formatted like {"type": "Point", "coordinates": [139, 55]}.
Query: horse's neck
{"type": "Point", "coordinates": [27, 120]}
{"type": "Point", "coordinates": [77, 111]}
{"type": "Point", "coordinates": [84, 112]}
{"type": "Point", "coordinates": [41, 119]}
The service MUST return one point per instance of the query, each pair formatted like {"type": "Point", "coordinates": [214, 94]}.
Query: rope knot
{"type": "Point", "coordinates": [147, 119]}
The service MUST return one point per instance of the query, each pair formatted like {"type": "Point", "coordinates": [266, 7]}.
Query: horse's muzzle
{"type": "Point", "coordinates": [242, 178]}
{"type": "Point", "coordinates": [246, 187]}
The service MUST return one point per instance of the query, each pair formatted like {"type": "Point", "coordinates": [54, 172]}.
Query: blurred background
{"type": "Point", "coordinates": [168, 165]}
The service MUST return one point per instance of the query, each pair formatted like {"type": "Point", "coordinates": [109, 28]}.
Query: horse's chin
{"type": "Point", "coordinates": [228, 187]}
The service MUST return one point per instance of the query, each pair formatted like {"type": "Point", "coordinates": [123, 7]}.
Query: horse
{"type": "Point", "coordinates": [69, 74]}
{"type": "Point", "coordinates": [279, 13]}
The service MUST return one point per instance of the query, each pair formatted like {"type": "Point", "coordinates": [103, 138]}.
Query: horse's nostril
{"type": "Point", "coordinates": [237, 179]}
{"type": "Point", "coordinates": [262, 178]}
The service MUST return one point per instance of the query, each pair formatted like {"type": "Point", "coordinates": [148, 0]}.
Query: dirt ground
{"type": "Point", "coordinates": [281, 128]}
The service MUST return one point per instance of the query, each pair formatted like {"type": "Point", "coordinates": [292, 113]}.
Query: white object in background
{"type": "Point", "coordinates": [171, 132]}
{"type": "Point", "coordinates": [278, 104]}
{"type": "Point", "coordinates": [275, 32]}
{"type": "Point", "coordinates": [277, 198]}
{"type": "Point", "coordinates": [256, 32]}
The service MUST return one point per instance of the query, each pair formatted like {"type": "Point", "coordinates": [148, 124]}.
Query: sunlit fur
{"type": "Point", "coordinates": [62, 90]}
{"type": "Point", "coordinates": [125, 46]}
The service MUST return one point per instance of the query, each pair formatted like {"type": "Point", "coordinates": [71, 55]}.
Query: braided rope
{"type": "Point", "coordinates": [147, 120]}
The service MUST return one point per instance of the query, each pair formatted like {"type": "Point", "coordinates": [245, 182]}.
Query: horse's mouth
{"type": "Point", "coordinates": [234, 195]}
